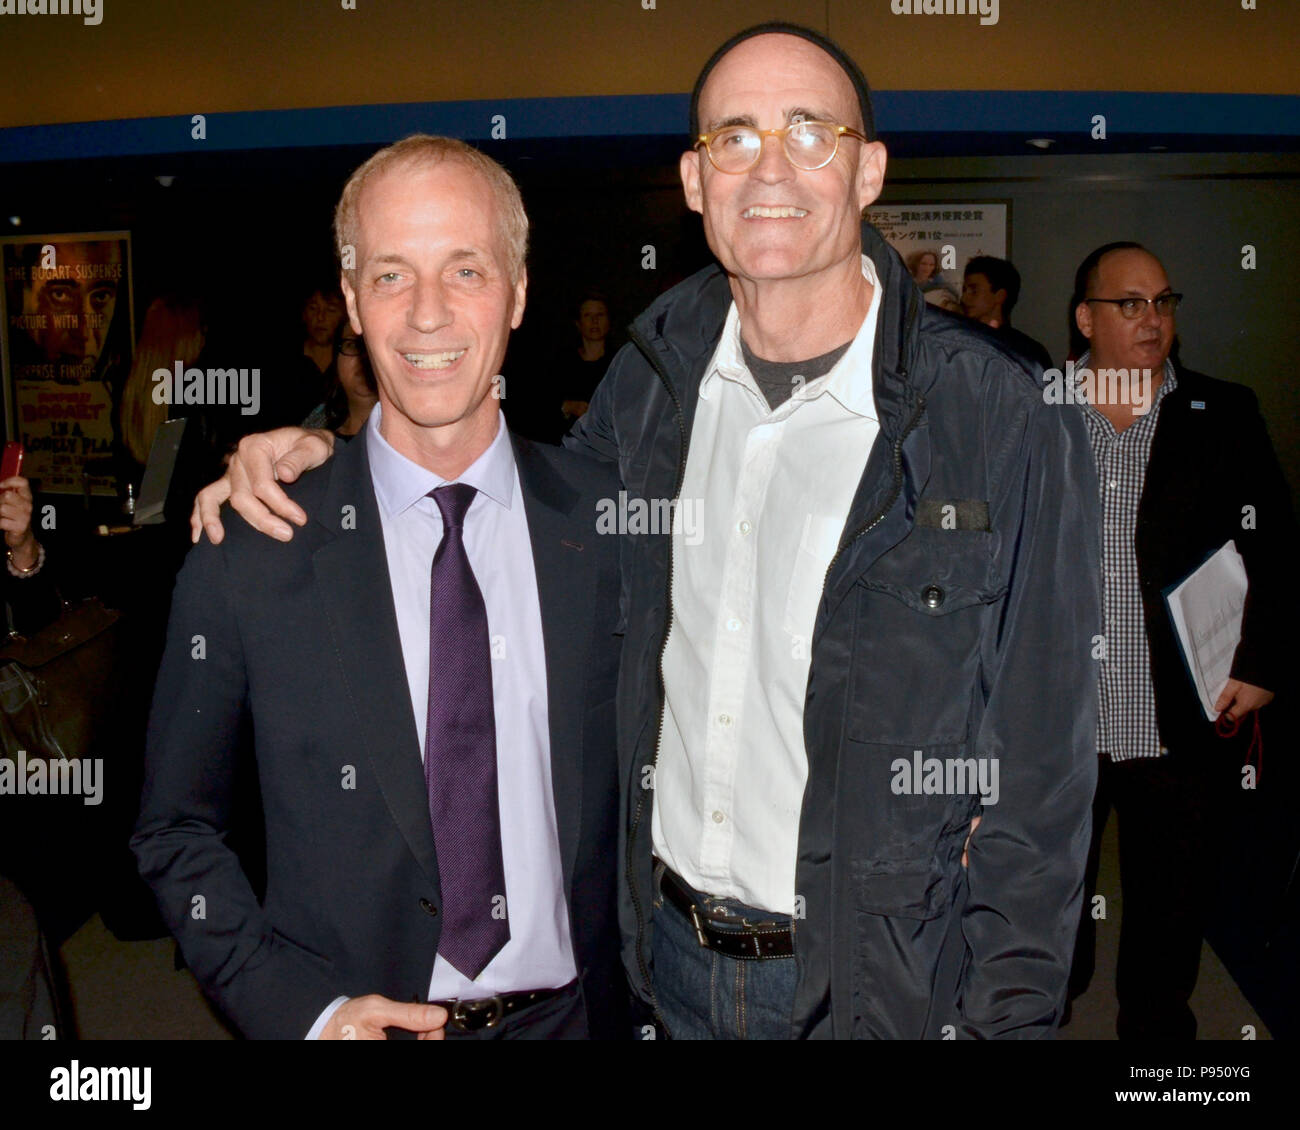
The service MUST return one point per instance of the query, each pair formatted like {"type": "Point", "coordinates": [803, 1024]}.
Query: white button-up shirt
{"type": "Point", "coordinates": [771, 489]}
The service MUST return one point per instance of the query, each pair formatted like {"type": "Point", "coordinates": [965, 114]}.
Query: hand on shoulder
{"type": "Point", "coordinates": [252, 481]}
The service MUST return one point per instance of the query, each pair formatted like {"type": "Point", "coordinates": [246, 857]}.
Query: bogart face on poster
{"type": "Point", "coordinates": [67, 319]}
{"type": "Point", "coordinates": [68, 306]}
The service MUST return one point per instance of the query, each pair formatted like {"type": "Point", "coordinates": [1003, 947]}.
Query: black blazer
{"type": "Point", "coordinates": [302, 637]}
{"type": "Point", "coordinates": [1210, 459]}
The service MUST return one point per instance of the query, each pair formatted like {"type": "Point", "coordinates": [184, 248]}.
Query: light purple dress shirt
{"type": "Point", "coordinates": [539, 954]}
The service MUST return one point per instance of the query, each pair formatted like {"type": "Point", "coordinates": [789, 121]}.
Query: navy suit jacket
{"type": "Point", "coordinates": [302, 639]}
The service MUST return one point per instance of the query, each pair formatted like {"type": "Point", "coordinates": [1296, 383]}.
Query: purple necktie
{"type": "Point", "coordinates": [460, 751]}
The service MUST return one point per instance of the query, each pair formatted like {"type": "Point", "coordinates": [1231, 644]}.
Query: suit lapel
{"type": "Point", "coordinates": [564, 561]}
{"type": "Point", "coordinates": [1169, 485]}
{"type": "Point", "coordinates": [352, 577]}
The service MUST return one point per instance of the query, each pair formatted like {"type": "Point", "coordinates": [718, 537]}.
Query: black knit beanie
{"type": "Point", "coordinates": [847, 65]}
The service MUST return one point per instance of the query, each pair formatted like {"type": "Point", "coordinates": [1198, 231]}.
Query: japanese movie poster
{"type": "Point", "coordinates": [937, 240]}
{"type": "Point", "coordinates": [67, 310]}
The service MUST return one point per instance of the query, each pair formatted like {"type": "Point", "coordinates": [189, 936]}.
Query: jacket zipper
{"type": "Point", "coordinates": [893, 494]}
{"type": "Point", "coordinates": [659, 676]}
{"type": "Point", "coordinates": [898, 457]}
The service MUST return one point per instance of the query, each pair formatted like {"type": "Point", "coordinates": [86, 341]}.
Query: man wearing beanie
{"type": "Point", "coordinates": [879, 638]}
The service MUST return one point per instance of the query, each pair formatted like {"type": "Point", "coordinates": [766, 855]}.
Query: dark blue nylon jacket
{"type": "Point", "coordinates": [959, 618]}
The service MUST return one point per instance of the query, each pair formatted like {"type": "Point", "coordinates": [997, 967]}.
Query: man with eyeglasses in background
{"type": "Point", "coordinates": [1185, 466]}
{"type": "Point", "coordinates": [895, 570]}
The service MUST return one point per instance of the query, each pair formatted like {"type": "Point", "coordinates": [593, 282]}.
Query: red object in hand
{"type": "Point", "coordinates": [12, 464]}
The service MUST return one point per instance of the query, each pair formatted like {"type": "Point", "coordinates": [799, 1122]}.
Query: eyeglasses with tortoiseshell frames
{"type": "Point", "coordinates": [808, 145]}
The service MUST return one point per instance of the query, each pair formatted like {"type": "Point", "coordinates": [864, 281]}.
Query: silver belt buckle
{"type": "Point", "coordinates": [699, 929]}
{"type": "Point", "coordinates": [462, 1010]}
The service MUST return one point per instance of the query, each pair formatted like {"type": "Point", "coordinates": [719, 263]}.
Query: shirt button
{"type": "Point", "coordinates": [733, 625]}
{"type": "Point", "coordinates": [1113, 484]}
{"type": "Point", "coordinates": [724, 719]}
{"type": "Point", "coordinates": [718, 818]}
{"type": "Point", "coordinates": [744, 527]}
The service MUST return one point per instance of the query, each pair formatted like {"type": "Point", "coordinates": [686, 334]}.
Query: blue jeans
{"type": "Point", "coordinates": [705, 995]}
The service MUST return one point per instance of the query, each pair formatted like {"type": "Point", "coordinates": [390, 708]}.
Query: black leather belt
{"type": "Point", "coordinates": [488, 1012]}
{"type": "Point", "coordinates": [731, 937]}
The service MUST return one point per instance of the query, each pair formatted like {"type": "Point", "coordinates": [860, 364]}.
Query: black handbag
{"type": "Point", "coordinates": [60, 686]}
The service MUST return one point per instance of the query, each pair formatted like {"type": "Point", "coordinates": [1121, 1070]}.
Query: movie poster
{"type": "Point", "coordinates": [952, 232]}
{"type": "Point", "coordinates": [67, 309]}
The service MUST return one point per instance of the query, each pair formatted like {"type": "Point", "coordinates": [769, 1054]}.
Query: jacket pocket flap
{"type": "Point", "coordinates": [279, 940]}
{"type": "Point", "coordinates": [938, 571]}
{"type": "Point", "coordinates": [906, 888]}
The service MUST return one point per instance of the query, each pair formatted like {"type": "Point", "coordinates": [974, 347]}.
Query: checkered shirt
{"type": "Point", "coordinates": [1126, 726]}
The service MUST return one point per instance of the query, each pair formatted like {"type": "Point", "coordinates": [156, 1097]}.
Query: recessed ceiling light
{"type": "Point", "coordinates": [16, 221]}
{"type": "Point", "coordinates": [1041, 142]}
{"type": "Point", "coordinates": [166, 182]}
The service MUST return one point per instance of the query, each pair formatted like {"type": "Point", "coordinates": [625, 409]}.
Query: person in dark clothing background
{"type": "Point", "coordinates": [29, 976]}
{"type": "Point", "coordinates": [353, 392]}
{"type": "Point", "coordinates": [990, 290]}
{"type": "Point", "coordinates": [579, 378]}
{"type": "Point", "coordinates": [1185, 466]}
{"type": "Point", "coordinates": [290, 394]}
{"type": "Point", "coordinates": [31, 599]}
{"type": "Point", "coordinates": [28, 587]}
{"type": "Point", "coordinates": [544, 400]}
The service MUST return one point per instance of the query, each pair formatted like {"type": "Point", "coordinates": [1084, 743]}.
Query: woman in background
{"type": "Point", "coordinates": [582, 369]}
{"type": "Point", "coordinates": [924, 269]}
{"type": "Point", "coordinates": [352, 393]}
{"type": "Point", "coordinates": [29, 995]}
{"type": "Point", "coordinates": [28, 590]}
{"type": "Point", "coordinates": [173, 331]}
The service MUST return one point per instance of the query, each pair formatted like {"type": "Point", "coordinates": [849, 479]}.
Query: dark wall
{"type": "Point", "coordinates": [251, 230]}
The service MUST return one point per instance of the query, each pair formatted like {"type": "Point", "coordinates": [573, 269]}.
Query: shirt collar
{"type": "Point", "coordinates": [849, 381]}
{"type": "Point", "coordinates": [400, 483]}
{"type": "Point", "coordinates": [1168, 382]}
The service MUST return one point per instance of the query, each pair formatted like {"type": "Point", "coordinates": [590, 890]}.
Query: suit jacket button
{"type": "Point", "coordinates": [932, 595]}
{"type": "Point", "coordinates": [428, 907]}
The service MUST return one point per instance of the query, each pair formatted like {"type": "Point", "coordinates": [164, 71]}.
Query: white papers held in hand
{"type": "Point", "coordinates": [1206, 609]}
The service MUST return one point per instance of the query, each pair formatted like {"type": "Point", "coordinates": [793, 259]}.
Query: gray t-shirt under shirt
{"type": "Point", "coordinates": [775, 379]}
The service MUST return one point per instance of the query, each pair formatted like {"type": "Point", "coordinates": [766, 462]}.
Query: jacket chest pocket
{"type": "Point", "coordinates": [922, 609]}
